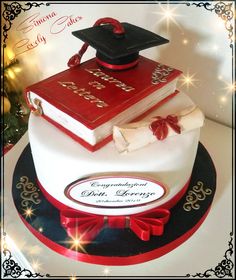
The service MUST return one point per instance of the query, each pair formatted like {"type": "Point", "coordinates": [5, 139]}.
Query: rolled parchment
{"type": "Point", "coordinates": [133, 136]}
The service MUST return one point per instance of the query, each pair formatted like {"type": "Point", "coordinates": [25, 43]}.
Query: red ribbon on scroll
{"type": "Point", "coordinates": [87, 226]}
{"type": "Point", "coordinates": [159, 127]}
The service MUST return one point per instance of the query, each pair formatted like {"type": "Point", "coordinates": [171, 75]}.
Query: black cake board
{"type": "Point", "coordinates": [114, 246]}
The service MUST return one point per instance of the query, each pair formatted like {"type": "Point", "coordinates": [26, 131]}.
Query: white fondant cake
{"type": "Point", "coordinates": [59, 161]}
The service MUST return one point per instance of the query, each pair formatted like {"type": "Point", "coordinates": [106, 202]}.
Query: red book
{"type": "Point", "coordinates": [87, 100]}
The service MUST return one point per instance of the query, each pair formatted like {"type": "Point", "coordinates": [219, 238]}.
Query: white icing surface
{"type": "Point", "coordinates": [59, 160]}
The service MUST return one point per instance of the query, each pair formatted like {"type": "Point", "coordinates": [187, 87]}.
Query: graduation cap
{"type": "Point", "coordinates": [117, 44]}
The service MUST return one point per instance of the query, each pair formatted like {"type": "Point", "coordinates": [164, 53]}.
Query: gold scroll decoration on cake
{"type": "Point", "coordinates": [29, 193]}
{"type": "Point", "coordinates": [160, 74]}
{"type": "Point", "coordinates": [198, 193]}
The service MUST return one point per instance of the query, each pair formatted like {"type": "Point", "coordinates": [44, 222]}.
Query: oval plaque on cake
{"type": "Point", "coordinates": [115, 191]}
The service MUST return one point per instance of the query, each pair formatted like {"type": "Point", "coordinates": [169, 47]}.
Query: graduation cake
{"type": "Point", "coordinates": [119, 139]}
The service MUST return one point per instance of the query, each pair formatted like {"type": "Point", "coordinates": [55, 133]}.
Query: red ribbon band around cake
{"type": "Point", "coordinates": [160, 126]}
{"type": "Point", "coordinates": [86, 226]}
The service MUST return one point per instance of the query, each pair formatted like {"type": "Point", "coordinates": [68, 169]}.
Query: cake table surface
{"type": "Point", "coordinates": [202, 253]}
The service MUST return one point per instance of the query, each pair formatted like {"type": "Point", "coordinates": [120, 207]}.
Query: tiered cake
{"type": "Point", "coordinates": [95, 175]}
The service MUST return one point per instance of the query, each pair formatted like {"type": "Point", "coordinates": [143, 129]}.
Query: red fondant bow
{"type": "Point", "coordinates": [159, 127]}
{"type": "Point", "coordinates": [87, 226]}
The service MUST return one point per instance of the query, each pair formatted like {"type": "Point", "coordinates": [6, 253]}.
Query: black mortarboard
{"type": "Point", "coordinates": [119, 47]}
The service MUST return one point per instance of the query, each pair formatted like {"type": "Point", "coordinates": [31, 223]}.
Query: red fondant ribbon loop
{"type": "Point", "coordinates": [159, 127]}
{"type": "Point", "coordinates": [86, 227]}
{"type": "Point", "coordinates": [81, 225]}
{"type": "Point", "coordinates": [117, 29]}
{"type": "Point", "coordinates": [150, 223]}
